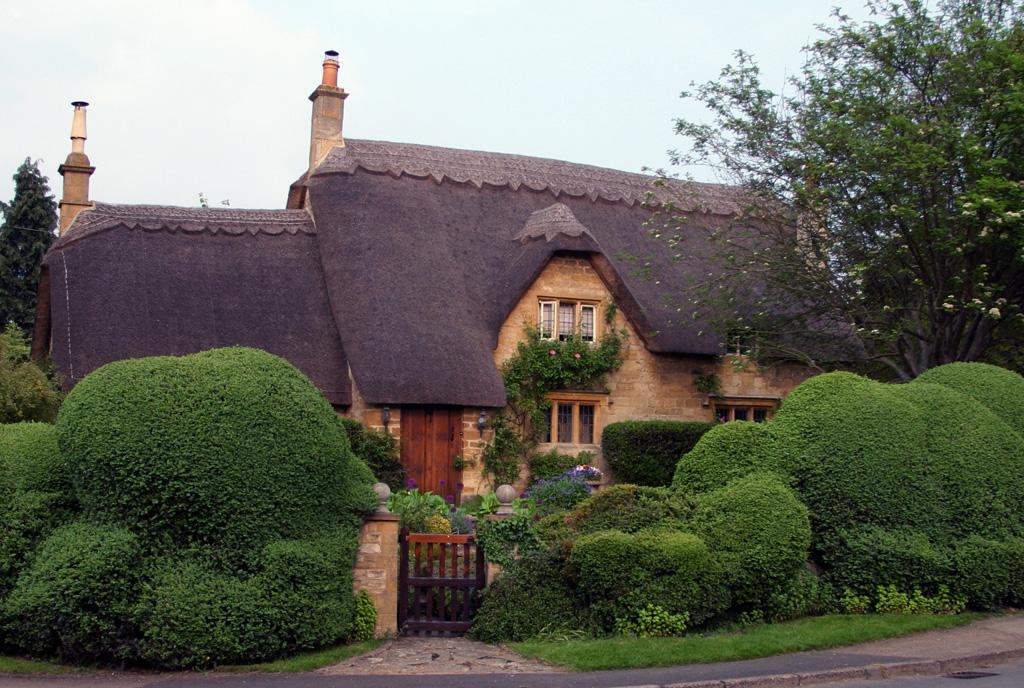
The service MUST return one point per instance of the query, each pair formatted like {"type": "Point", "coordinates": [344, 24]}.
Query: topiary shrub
{"type": "Point", "coordinates": [997, 389]}
{"type": "Point", "coordinates": [864, 558]}
{"type": "Point", "coordinates": [35, 494]}
{"type": "Point", "coordinates": [230, 502]}
{"type": "Point", "coordinates": [628, 508]}
{"type": "Point", "coordinates": [530, 596]}
{"type": "Point", "coordinates": [896, 478]}
{"type": "Point", "coordinates": [759, 533]}
{"type": "Point", "coordinates": [619, 573]}
{"type": "Point", "coordinates": [645, 452]}
{"type": "Point", "coordinates": [378, 450]}
{"type": "Point", "coordinates": [76, 596]}
{"type": "Point", "coordinates": [227, 449]}
{"type": "Point", "coordinates": [728, 451]}
{"type": "Point", "coordinates": [990, 572]}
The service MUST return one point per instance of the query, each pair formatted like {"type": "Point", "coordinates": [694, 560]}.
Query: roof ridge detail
{"type": "Point", "coordinates": [187, 220]}
{"type": "Point", "coordinates": [539, 174]}
{"type": "Point", "coordinates": [557, 219]}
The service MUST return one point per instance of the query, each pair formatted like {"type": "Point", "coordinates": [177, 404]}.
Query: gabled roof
{"type": "Point", "coordinates": [405, 269]}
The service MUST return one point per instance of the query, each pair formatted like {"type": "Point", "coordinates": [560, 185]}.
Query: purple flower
{"type": "Point", "coordinates": [450, 499]}
{"type": "Point", "coordinates": [410, 484]}
{"type": "Point", "coordinates": [459, 486]}
{"type": "Point", "coordinates": [454, 509]}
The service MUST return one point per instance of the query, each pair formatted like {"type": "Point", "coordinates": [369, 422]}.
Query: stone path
{"type": "Point", "coordinates": [437, 656]}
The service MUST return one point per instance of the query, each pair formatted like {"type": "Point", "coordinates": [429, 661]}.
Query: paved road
{"type": "Point", "coordinates": [1009, 675]}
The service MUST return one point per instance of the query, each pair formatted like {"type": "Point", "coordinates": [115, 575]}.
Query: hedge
{"type": "Point", "coordinates": [378, 450]}
{"type": "Point", "coordinates": [998, 389]}
{"type": "Point", "coordinates": [619, 573]}
{"type": "Point", "coordinates": [227, 449]}
{"type": "Point", "coordinates": [759, 532]}
{"type": "Point", "coordinates": [645, 452]}
{"type": "Point", "coordinates": [628, 508]}
{"type": "Point", "coordinates": [895, 477]}
{"type": "Point", "coordinates": [217, 513]}
{"type": "Point", "coordinates": [76, 597]}
{"type": "Point", "coordinates": [35, 494]}
{"type": "Point", "coordinates": [530, 596]}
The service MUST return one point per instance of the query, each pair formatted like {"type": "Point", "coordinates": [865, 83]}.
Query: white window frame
{"type": "Point", "coordinates": [556, 305]}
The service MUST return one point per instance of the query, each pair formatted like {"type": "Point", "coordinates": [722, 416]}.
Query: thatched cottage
{"type": "Point", "coordinates": [398, 278]}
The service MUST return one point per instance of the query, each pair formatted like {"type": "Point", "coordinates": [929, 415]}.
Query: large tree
{"type": "Point", "coordinates": [28, 229]}
{"type": "Point", "coordinates": [889, 187]}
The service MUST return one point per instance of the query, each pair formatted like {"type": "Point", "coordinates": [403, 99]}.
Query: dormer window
{"type": "Point", "coordinates": [562, 320]}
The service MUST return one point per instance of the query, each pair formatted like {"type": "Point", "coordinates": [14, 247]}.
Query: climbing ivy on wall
{"type": "Point", "coordinates": [539, 367]}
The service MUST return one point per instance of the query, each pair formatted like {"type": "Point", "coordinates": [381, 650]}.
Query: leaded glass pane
{"type": "Point", "coordinates": [547, 319]}
{"type": "Point", "coordinates": [587, 323]}
{"type": "Point", "coordinates": [566, 320]}
{"type": "Point", "coordinates": [565, 423]}
{"type": "Point", "coordinates": [586, 424]}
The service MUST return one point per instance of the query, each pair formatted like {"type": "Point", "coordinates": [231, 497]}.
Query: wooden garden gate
{"type": "Point", "coordinates": [440, 578]}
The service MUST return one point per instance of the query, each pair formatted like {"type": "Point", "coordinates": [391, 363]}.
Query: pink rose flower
{"type": "Point", "coordinates": [577, 356]}
{"type": "Point", "coordinates": [552, 352]}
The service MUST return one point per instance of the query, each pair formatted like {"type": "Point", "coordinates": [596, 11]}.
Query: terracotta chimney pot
{"type": "Point", "coordinates": [331, 65]}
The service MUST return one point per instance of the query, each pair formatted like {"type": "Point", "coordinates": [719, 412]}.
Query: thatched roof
{"type": "Point", "coordinates": [413, 258]}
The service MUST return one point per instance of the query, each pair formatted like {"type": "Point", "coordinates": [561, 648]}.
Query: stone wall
{"type": "Point", "coordinates": [376, 569]}
{"type": "Point", "coordinates": [646, 386]}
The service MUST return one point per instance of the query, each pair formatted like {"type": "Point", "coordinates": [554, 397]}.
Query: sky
{"type": "Point", "coordinates": [211, 97]}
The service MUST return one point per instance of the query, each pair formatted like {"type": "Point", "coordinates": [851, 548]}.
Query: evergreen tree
{"type": "Point", "coordinates": [28, 229]}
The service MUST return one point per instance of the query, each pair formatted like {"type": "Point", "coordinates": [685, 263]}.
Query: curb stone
{"type": "Point", "coordinates": [924, 667]}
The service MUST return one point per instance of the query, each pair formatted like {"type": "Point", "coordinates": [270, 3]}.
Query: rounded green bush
{"type": "Point", "coordinates": [530, 596]}
{"type": "Point", "coordinates": [191, 615]}
{"type": "Point", "coordinates": [31, 460]}
{"type": "Point", "coordinates": [758, 531]}
{"type": "Point", "coordinates": [75, 600]}
{"type": "Point", "coordinates": [645, 452]}
{"type": "Point", "coordinates": [35, 494]}
{"type": "Point", "coordinates": [627, 508]}
{"type": "Point", "coordinates": [998, 389]}
{"type": "Point", "coordinates": [728, 451]}
{"type": "Point", "coordinates": [227, 450]}
{"type": "Point", "coordinates": [619, 573]}
{"type": "Point", "coordinates": [895, 477]}
{"type": "Point", "coordinates": [990, 572]}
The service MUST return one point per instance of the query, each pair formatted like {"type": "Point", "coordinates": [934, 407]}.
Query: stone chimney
{"type": "Point", "coordinates": [76, 171]}
{"type": "Point", "coordinates": [328, 112]}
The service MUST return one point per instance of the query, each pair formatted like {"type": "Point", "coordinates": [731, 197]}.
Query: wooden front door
{"type": "Point", "coordinates": [431, 440]}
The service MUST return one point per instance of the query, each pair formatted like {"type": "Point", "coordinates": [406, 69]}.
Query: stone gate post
{"type": "Point", "coordinates": [376, 569]}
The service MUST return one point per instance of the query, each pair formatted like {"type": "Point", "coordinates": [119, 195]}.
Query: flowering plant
{"type": "Point", "coordinates": [585, 471]}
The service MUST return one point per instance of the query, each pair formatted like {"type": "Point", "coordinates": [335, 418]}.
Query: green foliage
{"type": "Point", "coordinates": [726, 452]}
{"type": "Point", "coordinates": [35, 491]}
{"type": "Point", "coordinates": [539, 367]}
{"type": "Point", "coordinates": [505, 540]}
{"type": "Point", "coordinates": [628, 508]}
{"type": "Point", "coordinates": [760, 534]}
{"type": "Point", "coordinates": [225, 450]}
{"type": "Point", "coordinates": [551, 464]}
{"type": "Point", "coordinates": [891, 601]}
{"type": "Point", "coordinates": [415, 508]}
{"type": "Point", "coordinates": [75, 598]}
{"type": "Point", "coordinates": [645, 452]}
{"type": "Point", "coordinates": [897, 150]}
{"type": "Point", "coordinates": [802, 595]}
{"type": "Point", "coordinates": [852, 603]}
{"type": "Point", "coordinates": [193, 616]}
{"type": "Point", "coordinates": [364, 621]}
{"type": "Point", "coordinates": [990, 572]}
{"type": "Point", "coordinates": [480, 505]}
{"type": "Point", "coordinates": [896, 478]}
{"type": "Point", "coordinates": [619, 573]}
{"type": "Point", "coordinates": [27, 231]}
{"type": "Point", "coordinates": [378, 450]}
{"type": "Point", "coordinates": [28, 392]}
{"type": "Point", "coordinates": [530, 596]}
{"type": "Point", "coordinates": [652, 622]}
{"type": "Point", "coordinates": [999, 390]}
{"type": "Point", "coordinates": [214, 506]}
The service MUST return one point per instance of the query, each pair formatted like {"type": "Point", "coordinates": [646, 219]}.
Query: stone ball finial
{"type": "Point", "coordinates": [383, 493]}
{"type": "Point", "coordinates": [506, 494]}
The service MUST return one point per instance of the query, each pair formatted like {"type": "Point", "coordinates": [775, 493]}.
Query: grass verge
{"type": "Point", "coordinates": [18, 665]}
{"type": "Point", "coordinates": [307, 661]}
{"type": "Point", "coordinates": [814, 633]}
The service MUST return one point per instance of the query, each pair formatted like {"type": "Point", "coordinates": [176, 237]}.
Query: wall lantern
{"type": "Point", "coordinates": [481, 422]}
{"type": "Point", "coordinates": [385, 416]}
